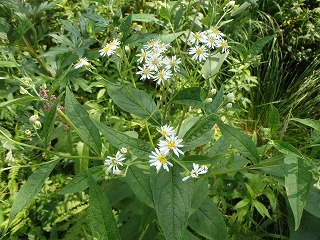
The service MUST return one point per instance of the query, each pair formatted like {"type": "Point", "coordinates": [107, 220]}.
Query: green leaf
{"type": "Point", "coordinates": [168, 38]}
{"type": "Point", "coordinates": [240, 9]}
{"type": "Point", "coordinates": [312, 204]}
{"type": "Point", "coordinates": [208, 221]}
{"type": "Point", "coordinates": [257, 47]}
{"type": "Point", "coordinates": [309, 227]}
{"type": "Point", "coordinates": [221, 146]}
{"type": "Point", "coordinates": [164, 13]}
{"type": "Point", "coordinates": [200, 190]}
{"type": "Point", "coordinates": [200, 133]}
{"type": "Point", "coordinates": [18, 100]}
{"type": "Point", "coordinates": [308, 122]}
{"type": "Point", "coordinates": [49, 120]}
{"type": "Point", "coordinates": [193, 96]}
{"type": "Point", "coordinates": [118, 139]}
{"type": "Point", "coordinates": [273, 119]}
{"type": "Point", "coordinates": [212, 65]}
{"type": "Point", "coordinates": [216, 102]}
{"type": "Point", "coordinates": [261, 208]}
{"type": "Point", "coordinates": [172, 201]}
{"type": "Point", "coordinates": [297, 183]}
{"type": "Point", "coordinates": [102, 222]}
{"type": "Point", "coordinates": [135, 101]}
{"type": "Point", "coordinates": [145, 17]}
{"type": "Point", "coordinates": [83, 125]}
{"type": "Point", "coordinates": [240, 141]}
{"type": "Point", "coordinates": [30, 189]}
{"type": "Point", "coordinates": [287, 148]}
{"type": "Point", "coordinates": [139, 183]}
{"type": "Point", "coordinates": [80, 181]}
{"type": "Point", "coordinates": [82, 163]}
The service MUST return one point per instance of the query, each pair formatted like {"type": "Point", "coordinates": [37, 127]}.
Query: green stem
{"type": "Point", "coordinates": [149, 135]}
{"type": "Point", "coordinates": [182, 118]}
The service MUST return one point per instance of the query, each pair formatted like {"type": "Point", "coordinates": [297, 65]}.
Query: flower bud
{"type": "Point", "coordinates": [229, 105]}
{"type": "Point", "coordinates": [27, 132]}
{"type": "Point", "coordinates": [37, 124]}
{"type": "Point", "coordinates": [230, 97]}
{"type": "Point", "coordinates": [213, 92]}
{"type": "Point", "coordinates": [208, 100]}
{"type": "Point", "coordinates": [23, 90]}
{"type": "Point", "coordinates": [123, 150]}
{"type": "Point", "coordinates": [33, 119]}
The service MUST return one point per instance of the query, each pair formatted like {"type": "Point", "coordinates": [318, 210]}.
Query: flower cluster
{"type": "Point", "coordinates": [44, 95]}
{"type": "Point", "coordinates": [155, 64]}
{"type": "Point", "coordinates": [205, 41]}
{"type": "Point", "coordinates": [170, 142]}
{"type": "Point", "coordinates": [34, 120]}
{"type": "Point", "coordinates": [114, 162]}
{"type": "Point", "coordinates": [110, 48]}
{"type": "Point", "coordinates": [196, 171]}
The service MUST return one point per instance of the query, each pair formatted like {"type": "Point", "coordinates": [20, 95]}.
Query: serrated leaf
{"type": "Point", "coordinates": [30, 189]}
{"type": "Point", "coordinates": [257, 47]}
{"type": "Point", "coordinates": [17, 101]}
{"type": "Point", "coordinates": [83, 124]}
{"type": "Point", "coordinates": [118, 139]}
{"type": "Point", "coordinates": [139, 183]}
{"type": "Point", "coordinates": [102, 222]}
{"type": "Point", "coordinates": [240, 141]}
{"type": "Point", "coordinates": [200, 133]}
{"type": "Point", "coordinates": [172, 201]}
{"type": "Point", "coordinates": [297, 183]}
{"type": "Point", "coordinates": [80, 181]}
{"type": "Point", "coordinates": [135, 101]}
{"type": "Point", "coordinates": [193, 96]}
{"type": "Point", "coordinates": [315, 124]}
{"type": "Point", "coordinates": [208, 221]}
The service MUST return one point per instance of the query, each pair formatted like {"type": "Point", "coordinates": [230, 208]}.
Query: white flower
{"type": "Point", "coordinates": [196, 171]}
{"type": "Point", "coordinates": [158, 159]}
{"type": "Point", "coordinates": [171, 143]}
{"type": "Point", "coordinates": [172, 62]}
{"type": "Point", "coordinates": [215, 33]}
{"type": "Point", "coordinates": [123, 150]}
{"type": "Point", "coordinates": [224, 45]}
{"type": "Point", "coordinates": [107, 50]}
{"type": "Point", "coordinates": [162, 76]}
{"type": "Point", "coordinates": [166, 130]}
{"type": "Point", "coordinates": [200, 52]}
{"type": "Point", "coordinates": [154, 62]}
{"type": "Point", "coordinates": [145, 72]}
{"type": "Point", "coordinates": [142, 56]}
{"type": "Point", "coordinates": [212, 42]}
{"type": "Point", "coordinates": [82, 62]}
{"type": "Point", "coordinates": [198, 37]}
{"type": "Point", "coordinates": [230, 97]}
{"type": "Point", "coordinates": [114, 162]}
{"type": "Point", "coordinates": [153, 43]}
{"type": "Point", "coordinates": [114, 44]}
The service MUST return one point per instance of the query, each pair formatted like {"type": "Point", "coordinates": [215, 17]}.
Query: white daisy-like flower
{"type": "Point", "coordinates": [158, 159]}
{"type": "Point", "coordinates": [212, 42]}
{"type": "Point", "coordinates": [114, 44]}
{"type": "Point", "coordinates": [82, 62]}
{"type": "Point", "coordinates": [215, 32]}
{"type": "Point", "coordinates": [198, 37]}
{"type": "Point", "coordinates": [153, 43]}
{"type": "Point", "coordinates": [154, 62]}
{"type": "Point", "coordinates": [166, 130]}
{"type": "Point", "coordinates": [145, 72]}
{"type": "Point", "coordinates": [163, 47]}
{"type": "Point", "coordinates": [196, 171]}
{"type": "Point", "coordinates": [114, 162]}
{"type": "Point", "coordinates": [162, 75]}
{"type": "Point", "coordinates": [172, 62]}
{"type": "Point", "coordinates": [142, 56]}
{"type": "Point", "coordinates": [171, 143]}
{"type": "Point", "coordinates": [107, 50]}
{"type": "Point", "coordinates": [199, 53]}
{"type": "Point", "coordinates": [224, 45]}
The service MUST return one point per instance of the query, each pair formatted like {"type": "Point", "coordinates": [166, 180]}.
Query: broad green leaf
{"type": "Point", "coordinates": [168, 38]}
{"type": "Point", "coordinates": [8, 64]}
{"type": "Point", "coordinates": [308, 122]}
{"type": "Point", "coordinates": [308, 230]}
{"type": "Point", "coordinates": [208, 221]}
{"type": "Point", "coordinates": [30, 189]}
{"type": "Point", "coordinates": [200, 190]}
{"type": "Point", "coordinates": [261, 208]}
{"type": "Point", "coordinates": [221, 146]}
{"type": "Point", "coordinates": [216, 102]}
{"type": "Point", "coordinates": [212, 65]}
{"type": "Point", "coordinates": [240, 9]}
{"type": "Point", "coordinates": [83, 124]}
{"type": "Point", "coordinates": [18, 100]}
{"type": "Point", "coordinates": [172, 201]}
{"type": "Point", "coordinates": [49, 120]}
{"type": "Point", "coordinates": [165, 13]}
{"type": "Point", "coordinates": [297, 184]}
{"type": "Point", "coordinates": [200, 133]}
{"type": "Point", "coordinates": [257, 47]}
{"type": "Point", "coordinates": [313, 204]}
{"type": "Point", "coordinates": [82, 163]}
{"type": "Point", "coordinates": [145, 17]}
{"type": "Point", "coordinates": [240, 141]}
{"type": "Point", "coordinates": [135, 101]}
{"type": "Point", "coordinates": [118, 139]}
{"type": "Point", "coordinates": [125, 27]}
{"type": "Point", "coordinates": [273, 119]}
{"type": "Point", "coordinates": [102, 222]}
{"type": "Point", "coordinates": [287, 148]}
{"type": "Point", "coordinates": [80, 181]}
{"type": "Point", "coordinates": [193, 96]}
{"type": "Point", "coordinates": [139, 183]}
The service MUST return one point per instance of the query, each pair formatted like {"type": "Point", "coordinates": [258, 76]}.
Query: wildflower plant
{"type": "Point", "coordinates": [132, 120]}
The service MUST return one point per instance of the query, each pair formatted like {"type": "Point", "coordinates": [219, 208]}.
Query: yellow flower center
{"type": "Point", "coordinates": [161, 74]}
{"type": "Point", "coordinates": [164, 132]}
{"type": "Point", "coordinates": [171, 144]}
{"type": "Point", "coordinates": [215, 31]}
{"type": "Point", "coordinates": [146, 71]}
{"type": "Point", "coordinates": [107, 49]}
{"type": "Point", "coordinates": [199, 51]}
{"type": "Point", "coordinates": [224, 44]}
{"type": "Point", "coordinates": [162, 159]}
